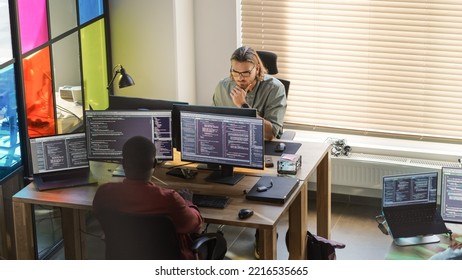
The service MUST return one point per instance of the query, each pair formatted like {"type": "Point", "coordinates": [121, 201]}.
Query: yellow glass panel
{"type": "Point", "coordinates": [94, 63]}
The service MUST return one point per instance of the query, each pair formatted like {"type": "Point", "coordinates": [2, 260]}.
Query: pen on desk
{"type": "Point", "coordinates": [154, 177]}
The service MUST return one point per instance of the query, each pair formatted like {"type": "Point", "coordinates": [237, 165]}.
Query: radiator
{"type": "Point", "coordinates": [361, 174]}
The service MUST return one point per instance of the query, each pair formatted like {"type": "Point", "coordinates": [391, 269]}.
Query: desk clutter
{"type": "Point", "coordinates": [289, 164]}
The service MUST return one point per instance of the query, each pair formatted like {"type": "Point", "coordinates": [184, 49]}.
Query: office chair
{"type": "Point", "coordinates": [270, 61]}
{"type": "Point", "coordinates": [137, 236]}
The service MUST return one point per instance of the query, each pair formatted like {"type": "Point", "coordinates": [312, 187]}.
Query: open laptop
{"type": "Point", "coordinates": [60, 161]}
{"type": "Point", "coordinates": [409, 205]}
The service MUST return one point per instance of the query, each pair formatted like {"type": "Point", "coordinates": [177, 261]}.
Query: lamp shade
{"type": "Point", "coordinates": [125, 79]}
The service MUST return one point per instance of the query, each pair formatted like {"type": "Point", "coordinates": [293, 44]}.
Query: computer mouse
{"type": "Point", "coordinates": [244, 213]}
{"type": "Point", "coordinates": [280, 147]}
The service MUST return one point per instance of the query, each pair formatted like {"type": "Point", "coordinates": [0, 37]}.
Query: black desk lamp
{"type": "Point", "coordinates": [124, 81]}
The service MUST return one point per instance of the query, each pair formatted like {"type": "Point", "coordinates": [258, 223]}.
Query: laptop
{"type": "Point", "coordinates": [60, 161]}
{"type": "Point", "coordinates": [273, 189]}
{"type": "Point", "coordinates": [409, 205]}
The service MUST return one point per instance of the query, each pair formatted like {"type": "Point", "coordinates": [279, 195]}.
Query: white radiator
{"type": "Point", "coordinates": [361, 174]}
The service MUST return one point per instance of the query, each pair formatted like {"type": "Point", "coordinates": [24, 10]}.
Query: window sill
{"type": "Point", "coordinates": [387, 146]}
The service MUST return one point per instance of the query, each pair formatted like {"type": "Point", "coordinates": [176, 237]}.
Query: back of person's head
{"type": "Point", "coordinates": [139, 158]}
{"type": "Point", "coordinates": [247, 54]}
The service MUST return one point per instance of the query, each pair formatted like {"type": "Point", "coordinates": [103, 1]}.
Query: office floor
{"type": "Point", "coordinates": [353, 223]}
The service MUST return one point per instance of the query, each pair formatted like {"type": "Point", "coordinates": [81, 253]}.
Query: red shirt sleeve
{"type": "Point", "coordinates": [185, 215]}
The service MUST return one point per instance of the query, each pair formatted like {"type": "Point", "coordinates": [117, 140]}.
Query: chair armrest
{"type": "Point", "coordinates": [204, 245]}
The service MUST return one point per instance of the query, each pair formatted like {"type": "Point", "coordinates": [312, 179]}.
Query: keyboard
{"type": "Point", "coordinates": [212, 201]}
{"type": "Point", "coordinates": [413, 216]}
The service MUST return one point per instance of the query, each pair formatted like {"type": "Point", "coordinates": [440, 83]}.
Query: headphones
{"type": "Point", "coordinates": [340, 148]}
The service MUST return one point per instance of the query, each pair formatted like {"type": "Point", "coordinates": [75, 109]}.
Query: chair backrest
{"type": "Point", "coordinates": [131, 236]}
{"type": "Point", "coordinates": [270, 61]}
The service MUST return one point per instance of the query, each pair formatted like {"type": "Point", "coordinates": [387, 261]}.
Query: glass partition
{"type": "Point", "coordinates": [63, 16]}
{"type": "Point", "coordinates": [90, 9]}
{"type": "Point", "coordinates": [5, 33]}
{"type": "Point", "coordinates": [94, 66]}
{"type": "Point", "coordinates": [10, 151]}
{"type": "Point", "coordinates": [38, 91]}
{"type": "Point", "coordinates": [67, 85]}
{"type": "Point", "coordinates": [33, 23]}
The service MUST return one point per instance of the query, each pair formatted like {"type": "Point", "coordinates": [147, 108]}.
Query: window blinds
{"type": "Point", "coordinates": [386, 67]}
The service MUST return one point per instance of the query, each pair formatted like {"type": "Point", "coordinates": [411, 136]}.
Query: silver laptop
{"type": "Point", "coordinates": [409, 205]}
{"type": "Point", "coordinates": [60, 161]}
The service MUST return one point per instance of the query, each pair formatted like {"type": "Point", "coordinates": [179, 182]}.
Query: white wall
{"type": "Point", "coordinates": [216, 38]}
{"type": "Point", "coordinates": [173, 49]}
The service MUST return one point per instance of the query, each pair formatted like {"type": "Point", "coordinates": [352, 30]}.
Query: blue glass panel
{"type": "Point", "coordinates": [10, 152]}
{"type": "Point", "coordinates": [89, 9]}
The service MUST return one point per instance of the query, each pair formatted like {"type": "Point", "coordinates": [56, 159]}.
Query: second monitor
{"type": "Point", "coordinates": [225, 140]}
{"type": "Point", "coordinates": [107, 132]}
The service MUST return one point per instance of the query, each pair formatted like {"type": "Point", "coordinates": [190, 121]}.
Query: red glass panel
{"type": "Point", "coordinates": [39, 94]}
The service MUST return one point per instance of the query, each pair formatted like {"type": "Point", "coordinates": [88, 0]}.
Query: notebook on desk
{"type": "Point", "coordinates": [273, 189]}
{"type": "Point", "coordinates": [409, 205]}
{"type": "Point", "coordinates": [60, 161]}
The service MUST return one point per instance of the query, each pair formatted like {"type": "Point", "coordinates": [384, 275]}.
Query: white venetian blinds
{"type": "Point", "coordinates": [370, 66]}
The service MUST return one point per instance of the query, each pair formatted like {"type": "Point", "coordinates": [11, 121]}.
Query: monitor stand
{"type": "Point", "coordinates": [208, 166]}
{"type": "Point", "coordinates": [225, 176]}
{"type": "Point", "coordinates": [416, 240]}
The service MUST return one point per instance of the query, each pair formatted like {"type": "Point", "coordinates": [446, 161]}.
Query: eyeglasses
{"type": "Point", "coordinates": [244, 74]}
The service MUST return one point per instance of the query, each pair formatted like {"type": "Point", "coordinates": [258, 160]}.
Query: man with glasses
{"type": "Point", "coordinates": [248, 86]}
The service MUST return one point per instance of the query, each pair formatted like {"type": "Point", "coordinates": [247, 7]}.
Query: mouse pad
{"type": "Point", "coordinates": [291, 148]}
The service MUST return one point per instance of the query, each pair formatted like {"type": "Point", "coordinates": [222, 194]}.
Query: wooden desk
{"type": "Point", "coordinates": [74, 202]}
{"type": "Point", "coordinates": [424, 251]}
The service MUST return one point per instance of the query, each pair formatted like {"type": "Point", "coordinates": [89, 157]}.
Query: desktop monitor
{"type": "Point", "coordinates": [108, 130]}
{"type": "Point", "coordinates": [227, 140]}
{"type": "Point", "coordinates": [177, 108]}
{"type": "Point", "coordinates": [135, 103]}
{"type": "Point", "coordinates": [451, 194]}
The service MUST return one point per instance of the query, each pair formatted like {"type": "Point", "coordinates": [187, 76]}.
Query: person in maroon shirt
{"type": "Point", "coordinates": [137, 194]}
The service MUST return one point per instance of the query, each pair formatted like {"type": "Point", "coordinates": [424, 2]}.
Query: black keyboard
{"type": "Point", "coordinates": [212, 201]}
{"type": "Point", "coordinates": [413, 216]}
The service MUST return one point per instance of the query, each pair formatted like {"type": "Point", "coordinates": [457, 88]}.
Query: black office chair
{"type": "Point", "coordinates": [130, 236]}
{"type": "Point", "coordinates": [270, 61]}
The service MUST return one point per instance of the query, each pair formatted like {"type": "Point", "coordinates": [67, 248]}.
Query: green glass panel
{"type": "Point", "coordinates": [94, 63]}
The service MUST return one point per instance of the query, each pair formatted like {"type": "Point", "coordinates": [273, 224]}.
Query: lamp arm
{"type": "Point", "coordinates": [115, 75]}
{"type": "Point", "coordinates": [113, 78]}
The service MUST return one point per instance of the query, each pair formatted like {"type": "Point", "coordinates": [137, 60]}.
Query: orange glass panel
{"type": "Point", "coordinates": [38, 92]}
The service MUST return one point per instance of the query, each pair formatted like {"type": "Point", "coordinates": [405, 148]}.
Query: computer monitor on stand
{"type": "Point", "coordinates": [226, 140]}
{"type": "Point", "coordinates": [451, 194]}
{"type": "Point", "coordinates": [108, 130]}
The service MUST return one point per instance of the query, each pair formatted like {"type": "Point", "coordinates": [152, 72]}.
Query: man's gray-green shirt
{"type": "Point", "coordinates": [268, 97]}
